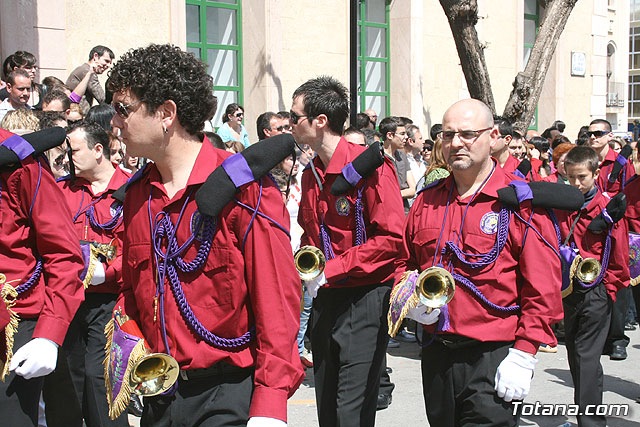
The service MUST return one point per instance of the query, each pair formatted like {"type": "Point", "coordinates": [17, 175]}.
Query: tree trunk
{"type": "Point", "coordinates": [463, 16]}
{"type": "Point", "coordinates": [527, 86]}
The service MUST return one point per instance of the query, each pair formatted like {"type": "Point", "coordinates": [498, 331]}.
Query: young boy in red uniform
{"type": "Point", "coordinates": [588, 307]}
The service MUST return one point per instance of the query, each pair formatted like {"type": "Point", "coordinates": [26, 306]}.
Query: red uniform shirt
{"type": "Point", "coordinates": [511, 164]}
{"type": "Point", "coordinates": [526, 272]}
{"type": "Point", "coordinates": [371, 262]}
{"type": "Point", "coordinates": [79, 197]}
{"type": "Point", "coordinates": [40, 224]}
{"type": "Point", "coordinates": [591, 245]}
{"type": "Point", "coordinates": [235, 289]}
{"type": "Point", "coordinates": [632, 215]}
{"type": "Point", "coordinates": [613, 188]}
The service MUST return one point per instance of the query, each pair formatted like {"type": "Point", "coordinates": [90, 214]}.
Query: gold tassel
{"type": "Point", "coordinates": [9, 296]}
{"type": "Point", "coordinates": [411, 303]}
{"type": "Point", "coordinates": [91, 269]}
{"type": "Point", "coordinates": [117, 406]}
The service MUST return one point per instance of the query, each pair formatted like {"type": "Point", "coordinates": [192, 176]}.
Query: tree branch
{"type": "Point", "coordinates": [527, 85]}
{"type": "Point", "coordinates": [463, 16]}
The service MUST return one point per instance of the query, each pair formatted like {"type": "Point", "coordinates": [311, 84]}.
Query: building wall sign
{"type": "Point", "coordinates": [578, 64]}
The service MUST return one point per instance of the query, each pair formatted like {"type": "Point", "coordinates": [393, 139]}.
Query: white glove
{"type": "Point", "coordinates": [314, 284]}
{"type": "Point", "coordinates": [513, 377]}
{"type": "Point", "coordinates": [265, 422]}
{"type": "Point", "coordinates": [420, 315]}
{"type": "Point", "coordinates": [36, 358]}
{"type": "Point", "coordinates": [99, 275]}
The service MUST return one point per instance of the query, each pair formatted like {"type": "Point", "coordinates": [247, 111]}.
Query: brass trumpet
{"type": "Point", "coordinates": [153, 374]}
{"type": "Point", "coordinates": [588, 270]}
{"type": "Point", "coordinates": [310, 262]}
{"type": "Point", "coordinates": [435, 287]}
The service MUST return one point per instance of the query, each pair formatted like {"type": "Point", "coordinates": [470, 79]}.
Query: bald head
{"type": "Point", "coordinates": [472, 110]}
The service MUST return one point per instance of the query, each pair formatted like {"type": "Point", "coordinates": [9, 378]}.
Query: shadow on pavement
{"type": "Point", "coordinates": [612, 383]}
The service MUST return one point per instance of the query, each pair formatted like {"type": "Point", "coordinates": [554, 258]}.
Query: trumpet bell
{"type": "Point", "coordinates": [435, 287]}
{"type": "Point", "coordinates": [154, 374]}
{"type": "Point", "coordinates": [310, 262]}
{"type": "Point", "coordinates": [588, 270]}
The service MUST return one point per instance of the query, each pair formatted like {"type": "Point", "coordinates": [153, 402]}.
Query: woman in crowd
{"type": "Point", "coordinates": [558, 156]}
{"type": "Point", "coordinates": [28, 62]}
{"type": "Point", "coordinates": [232, 128]}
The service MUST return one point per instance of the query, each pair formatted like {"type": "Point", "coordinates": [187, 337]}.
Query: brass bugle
{"type": "Point", "coordinates": [310, 262]}
{"type": "Point", "coordinates": [435, 287]}
{"type": "Point", "coordinates": [588, 270]}
{"type": "Point", "coordinates": [153, 374]}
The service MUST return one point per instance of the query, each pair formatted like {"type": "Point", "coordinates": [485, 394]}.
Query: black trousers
{"type": "Point", "coordinates": [349, 339]}
{"type": "Point", "coordinates": [220, 400]}
{"type": "Point", "coordinates": [84, 347]}
{"type": "Point", "coordinates": [458, 385]}
{"type": "Point", "coordinates": [19, 397]}
{"type": "Point", "coordinates": [618, 318]}
{"type": "Point", "coordinates": [586, 321]}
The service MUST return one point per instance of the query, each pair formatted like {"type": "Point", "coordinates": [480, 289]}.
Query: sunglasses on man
{"type": "Point", "coordinates": [597, 133]}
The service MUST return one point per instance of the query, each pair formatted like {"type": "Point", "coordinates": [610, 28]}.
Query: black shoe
{"type": "Point", "coordinates": [405, 336]}
{"type": "Point", "coordinates": [384, 400]}
{"type": "Point", "coordinates": [618, 353]}
{"type": "Point", "coordinates": [135, 406]}
{"type": "Point", "coordinates": [629, 327]}
{"type": "Point", "coordinates": [393, 343]}
{"type": "Point", "coordinates": [389, 370]}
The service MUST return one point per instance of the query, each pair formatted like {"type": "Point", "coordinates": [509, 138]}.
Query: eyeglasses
{"type": "Point", "coordinates": [121, 109]}
{"type": "Point", "coordinates": [465, 135]}
{"type": "Point", "coordinates": [239, 114]}
{"type": "Point", "coordinates": [429, 149]}
{"type": "Point", "coordinates": [545, 147]}
{"type": "Point", "coordinates": [597, 133]}
{"type": "Point", "coordinates": [295, 117]}
{"type": "Point", "coordinates": [283, 127]}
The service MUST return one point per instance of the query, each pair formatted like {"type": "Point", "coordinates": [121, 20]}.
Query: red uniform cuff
{"type": "Point", "coordinates": [269, 402]}
{"type": "Point", "coordinates": [334, 271]}
{"type": "Point", "coordinates": [52, 328]}
{"type": "Point", "coordinates": [527, 346]}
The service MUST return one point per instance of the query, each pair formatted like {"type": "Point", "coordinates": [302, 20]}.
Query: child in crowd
{"type": "Point", "coordinates": [588, 307]}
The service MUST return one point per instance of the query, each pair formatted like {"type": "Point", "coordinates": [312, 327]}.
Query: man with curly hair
{"type": "Point", "coordinates": [221, 300]}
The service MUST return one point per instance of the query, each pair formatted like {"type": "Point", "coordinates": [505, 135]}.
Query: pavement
{"type": "Point", "coordinates": [551, 385]}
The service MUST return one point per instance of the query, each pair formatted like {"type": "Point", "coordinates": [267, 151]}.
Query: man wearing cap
{"type": "Point", "coordinates": [359, 233]}
{"type": "Point", "coordinates": [214, 291]}
{"type": "Point", "coordinates": [97, 219]}
{"type": "Point", "coordinates": [41, 264]}
{"type": "Point", "coordinates": [485, 339]}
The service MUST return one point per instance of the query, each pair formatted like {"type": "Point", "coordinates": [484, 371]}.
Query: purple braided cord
{"type": "Point", "coordinates": [110, 224]}
{"type": "Point", "coordinates": [480, 296]}
{"type": "Point", "coordinates": [488, 258]}
{"type": "Point", "coordinates": [35, 277]}
{"type": "Point", "coordinates": [361, 232]}
{"type": "Point", "coordinates": [605, 265]}
{"type": "Point", "coordinates": [556, 226]}
{"type": "Point", "coordinates": [326, 242]}
{"type": "Point", "coordinates": [165, 229]}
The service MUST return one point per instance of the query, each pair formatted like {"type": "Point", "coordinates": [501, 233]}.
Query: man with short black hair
{"type": "Point", "coordinates": [394, 136]}
{"type": "Point", "coordinates": [359, 233]}
{"type": "Point", "coordinates": [599, 136]}
{"type": "Point", "coordinates": [57, 100]}
{"type": "Point", "coordinates": [500, 150]}
{"type": "Point", "coordinates": [97, 219]}
{"type": "Point", "coordinates": [100, 59]}
{"type": "Point", "coordinates": [19, 88]}
{"type": "Point", "coordinates": [269, 124]}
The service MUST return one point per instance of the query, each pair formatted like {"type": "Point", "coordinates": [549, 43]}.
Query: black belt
{"type": "Point", "coordinates": [454, 342]}
{"type": "Point", "coordinates": [217, 370]}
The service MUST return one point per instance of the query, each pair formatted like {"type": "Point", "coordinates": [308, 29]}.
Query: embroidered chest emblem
{"type": "Point", "coordinates": [343, 207]}
{"type": "Point", "coordinates": [114, 210]}
{"type": "Point", "coordinates": [197, 226]}
{"type": "Point", "coordinates": [489, 223]}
